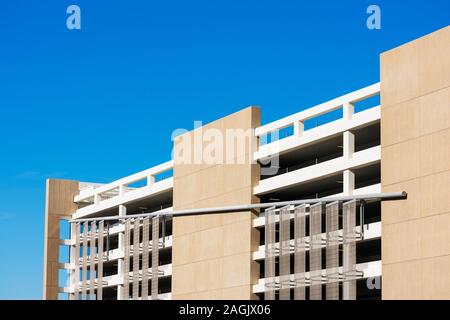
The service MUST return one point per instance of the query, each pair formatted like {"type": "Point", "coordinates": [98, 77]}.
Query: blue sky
{"type": "Point", "coordinates": [99, 103]}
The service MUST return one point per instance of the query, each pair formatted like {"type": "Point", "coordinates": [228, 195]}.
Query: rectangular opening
{"type": "Point", "coordinates": [109, 194]}
{"type": "Point", "coordinates": [276, 135]}
{"type": "Point", "coordinates": [138, 184]}
{"type": "Point", "coordinates": [64, 254]}
{"type": "Point", "coordinates": [304, 157]}
{"type": "Point", "coordinates": [367, 103]}
{"type": "Point", "coordinates": [323, 119]}
{"type": "Point", "coordinates": [367, 137]}
{"type": "Point", "coordinates": [63, 278]}
{"type": "Point", "coordinates": [286, 132]}
{"type": "Point", "coordinates": [63, 296]}
{"type": "Point", "coordinates": [164, 175]}
{"type": "Point", "coordinates": [64, 229]}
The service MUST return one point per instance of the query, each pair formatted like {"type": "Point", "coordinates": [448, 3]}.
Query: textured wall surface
{"type": "Point", "coordinates": [59, 204]}
{"type": "Point", "coordinates": [415, 140]}
{"type": "Point", "coordinates": [212, 254]}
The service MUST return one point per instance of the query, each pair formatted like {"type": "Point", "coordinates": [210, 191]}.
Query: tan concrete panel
{"type": "Point", "coordinates": [190, 224]}
{"type": "Point", "coordinates": [184, 273]}
{"type": "Point", "coordinates": [208, 275]}
{"type": "Point", "coordinates": [435, 191]}
{"type": "Point", "coordinates": [204, 244]}
{"type": "Point", "coordinates": [415, 129]}
{"type": "Point", "coordinates": [397, 211]}
{"type": "Point", "coordinates": [245, 119]}
{"type": "Point", "coordinates": [238, 196]}
{"type": "Point", "coordinates": [402, 281]}
{"type": "Point", "coordinates": [416, 239]}
{"type": "Point", "coordinates": [60, 195]}
{"type": "Point", "coordinates": [238, 293]}
{"type": "Point", "coordinates": [236, 269]}
{"type": "Point", "coordinates": [401, 241]}
{"type": "Point", "coordinates": [194, 187]}
{"type": "Point", "coordinates": [211, 182]}
{"type": "Point", "coordinates": [213, 243]}
{"type": "Point", "coordinates": [435, 235]}
{"type": "Point", "coordinates": [399, 74]}
{"type": "Point", "coordinates": [203, 295]}
{"type": "Point", "coordinates": [434, 153]}
{"type": "Point", "coordinates": [427, 196]}
{"type": "Point", "coordinates": [52, 250]}
{"type": "Point", "coordinates": [434, 61]}
{"type": "Point", "coordinates": [238, 237]}
{"type": "Point", "coordinates": [415, 158]}
{"type": "Point", "coordinates": [436, 282]}
{"type": "Point", "coordinates": [400, 162]}
{"type": "Point", "coordinates": [400, 122]}
{"type": "Point", "coordinates": [52, 222]}
{"type": "Point", "coordinates": [415, 118]}
{"type": "Point", "coordinates": [418, 279]}
{"type": "Point", "coordinates": [59, 204]}
{"type": "Point", "coordinates": [435, 111]}
{"type": "Point", "coordinates": [233, 293]}
{"type": "Point", "coordinates": [416, 68]}
{"type": "Point", "coordinates": [183, 225]}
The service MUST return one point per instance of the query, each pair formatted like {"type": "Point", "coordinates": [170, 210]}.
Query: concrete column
{"type": "Point", "coordinates": [96, 198]}
{"type": "Point", "coordinates": [122, 190]}
{"type": "Point", "coordinates": [299, 128]}
{"type": "Point", "coordinates": [150, 181]}
{"type": "Point", "coordinates": [59, 205]}
{"type": "Point", "coordinates": [73, 272]}
{"type": "Point", "coordinates": [212, 254]}
{"type": "Point", "coordinates": [348, 110]}
{"type": "Point", "coordinates": [120, 262]}
{"type": "Point", "coordinates": [349, 182]}
{"type": "Point", "coordinates": [349, 145]}
{"type": "Point", "coordinates": [415, 149]}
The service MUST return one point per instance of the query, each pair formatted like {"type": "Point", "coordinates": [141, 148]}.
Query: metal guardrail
{"type": "Point", "coordinates": [365, 197]}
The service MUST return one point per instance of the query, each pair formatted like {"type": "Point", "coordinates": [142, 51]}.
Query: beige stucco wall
{"type": "Point", "coordinates": [212, 254]}
{"type": "Point", "coordinates": [415, 141]}
{"type": "Point", "coordinates": [59, 204]}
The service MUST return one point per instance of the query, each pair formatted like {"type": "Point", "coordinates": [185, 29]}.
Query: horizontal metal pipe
{"type": "Point", "coordinates": [236, 208]}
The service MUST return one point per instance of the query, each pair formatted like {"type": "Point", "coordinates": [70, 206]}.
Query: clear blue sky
{"type": "Point", "coordinates": [101, 103]}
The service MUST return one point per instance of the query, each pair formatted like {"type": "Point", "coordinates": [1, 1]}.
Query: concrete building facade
{"type": "Point", "coordinates": [311, 206]}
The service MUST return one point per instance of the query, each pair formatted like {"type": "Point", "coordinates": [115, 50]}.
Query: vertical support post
{"type": "Point", "coordinates": [84, 261]}
{"type": "Point", "coordinates": [145, 244]}
{"type": "Point", "coordinates": [285, 264]}
{"type": "Point", "coordinates": [126, 261]}
{"type": "Point", "coordinates": [315, 251]}
{"type": "Point", "coordinates": [348, 110]}
{"type": "Point", "coordinates": [76, 260]}
{"type": "Point", "coordinates": [300, 252]}
{"type": "Point", "coordinates": [150, 181]}
{"type": "Point", "coordinates": [121, 247]}
{"type": "Point", "coordinates": [92, 262]}
{"type": "Point", "coordinates": [269, 262]}
{"type": "Point", "coordinates": [349, 250]}
{"type": "Point", "coordinates": [101, 229]}
{"type": "Point", "coordinates": [299, 128]}
{"type": "Point", "coordinates": [155, 256]}
{"type": "Point", "coordinates": [349, 145]}
{"type": "Point", "coordinates": [96, 198]}
{"type": "Point", "coordinates": [136, 243]}
{"type": "Point", "coordinates": [332, 251]}
{"type": "Point", "coordinates": [349, 182]}
{"type": "Point", "coordinates": [122, 189]}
